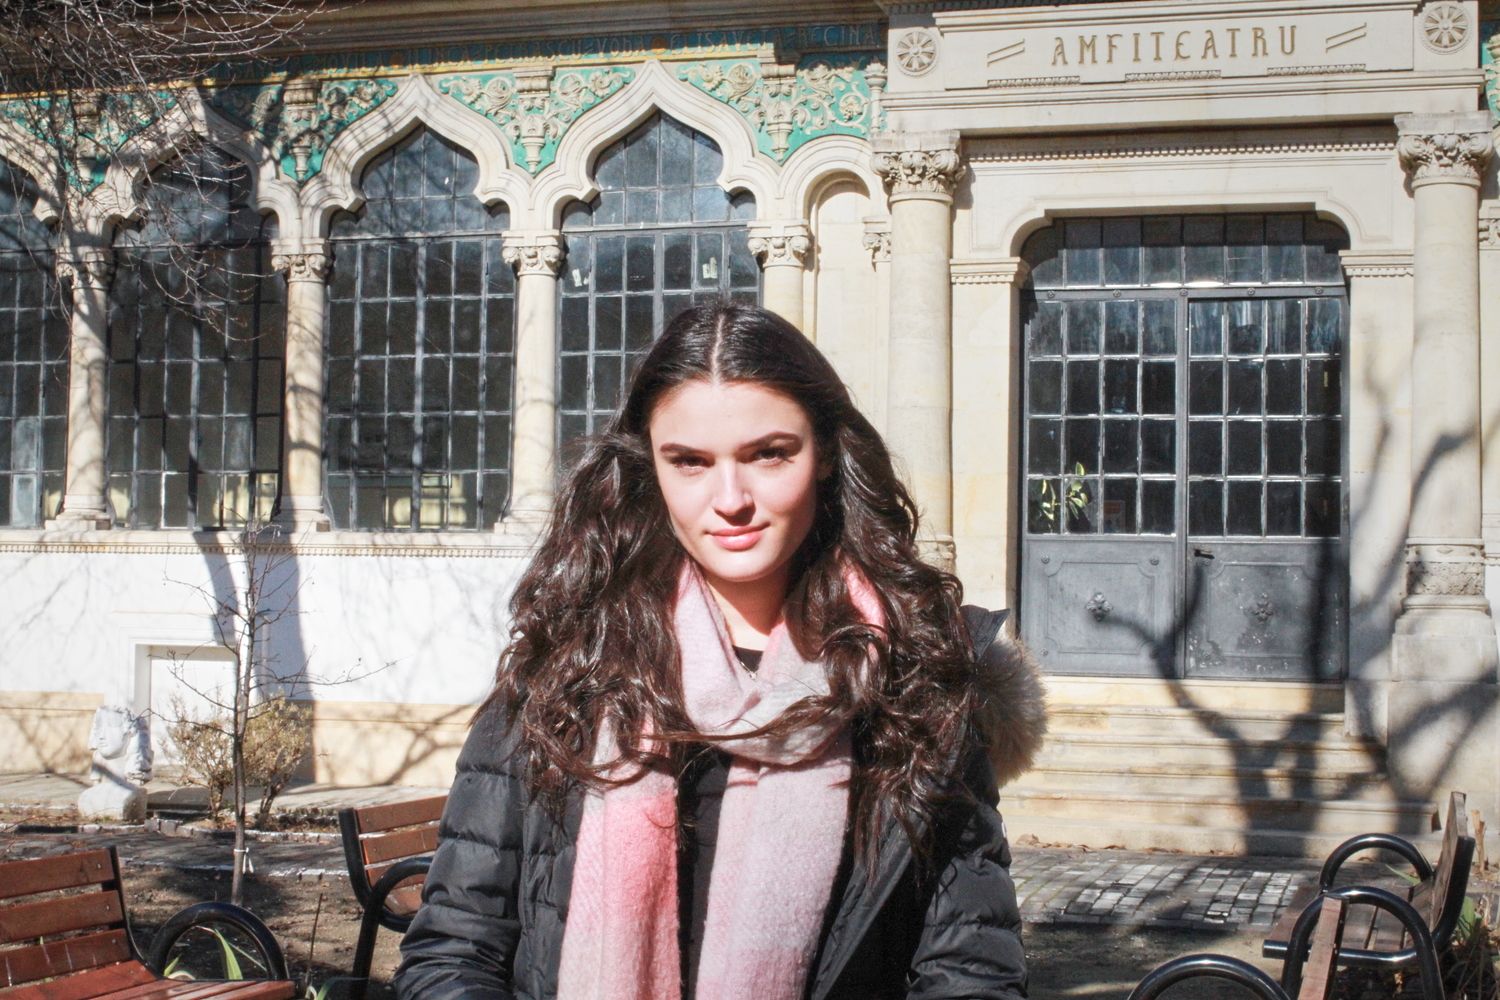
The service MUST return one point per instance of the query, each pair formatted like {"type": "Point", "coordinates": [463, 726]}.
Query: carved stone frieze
{"type": "Point", "coordinates": [916, 51]}
{"type": "Point", "coordinates": [1444, 570]}
{"type": "Point", "coordinates": [781, 245]}
{"type": "Point", "coordinates": [789, 105]}
{"type": "Point", "coordinates": [1489, 234]}
{"type": "Point", "coordinates": [532, 106]}
{"type": "Point", "coordinates": [877, 240]}
{"type": "Point", "coordinates": [533, 253]}
{"type": "Point", "coordinates": [1445, 148]}
{"type": "Point", "coordinates": [88, 128]}
{"type": "Point", "coordinates": [1445, 25]}
{"type": "Point", "coordinates": [299, 118]}
{"type": "Point", "coordinates": [918, 163]}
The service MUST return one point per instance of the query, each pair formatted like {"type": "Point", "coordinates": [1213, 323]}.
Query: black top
{"type": "Point", "coordinates": [700, 792]}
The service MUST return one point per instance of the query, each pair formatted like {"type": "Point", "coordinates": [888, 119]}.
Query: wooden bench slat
{"type": "Point", "coordinates": [1282, 933]}
{"type": "Point", "coordinates": [66, 871]}
{"type": "Point", "coordinates": [405, 900]}
{"type": "Point", "coordinates": [401, 844]}
{"type": "Point", "coordinates": [374, 872]}
{"type": "Point", "coordinates": [54, 916]}
{"type": "Point", "coordinates": [374, 819]}
{"type": "Point", "coordinates": [61, 958]}
{"type": "Point", "coordinates": [1317, 974]}
{"type": "Point", "coordinates": [198, 989]}
{"type": "Point", "coordinates": [86, 985]}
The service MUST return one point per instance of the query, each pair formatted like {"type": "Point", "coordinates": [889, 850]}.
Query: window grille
{"type": "Point", "coordinates": [195, 346]}
{"type": "Point", "coordinates": [1183, 386]}
{"type": "Point", "coordinates": [421, 346]}
{"type": "Point", "coordinates": [660, 236]}
{"type": "Point", "coordinates": [33, 361]}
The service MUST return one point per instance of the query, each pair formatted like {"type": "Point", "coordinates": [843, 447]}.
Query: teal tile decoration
{"type": "Point", "coordinates": [85, 134]}
{"type": "Point", "coordinates": [532, 111]}
{"type": "Point", "coordinates": [1489, 61]}
{"type": "Point", "coordinates": [786, 105]}
{"type": "Point", "coordinates": [298, 119]}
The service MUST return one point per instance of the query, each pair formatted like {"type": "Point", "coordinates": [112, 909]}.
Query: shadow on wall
{"type": "Point", "coordinates": [46, 731]}
{"type": "Point", "coordinates": [1438, 726]}
{"type": "Point", "coordinates": [373, 743]}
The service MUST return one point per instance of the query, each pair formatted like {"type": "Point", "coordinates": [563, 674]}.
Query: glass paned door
{"type": "Point", "coordinates": [1184, 480]}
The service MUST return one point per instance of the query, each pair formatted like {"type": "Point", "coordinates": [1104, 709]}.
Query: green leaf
{"type": "Point", "coordinates": [231, 963]}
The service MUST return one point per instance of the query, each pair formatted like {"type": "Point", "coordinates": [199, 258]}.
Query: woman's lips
{"type": "Point", "coordinates": [738, 539]}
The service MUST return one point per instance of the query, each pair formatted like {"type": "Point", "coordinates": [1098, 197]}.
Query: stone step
{"type": "Point", "coordinates": [1283, 697]}
{"type": "Point", "coordinates": [1339, 817]}
{"type": "Point", "coordinates": [1159, 721]}
{"type": "Point", "coordinates": [1214, 780]}
{"type": "Point", "coordinates": [1110, 751]}
{"type": "Point", "coordinates": [1102, 833]}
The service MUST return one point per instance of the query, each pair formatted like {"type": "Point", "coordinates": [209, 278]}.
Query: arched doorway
{"type": "Point", "coordinates": [1184, 469]}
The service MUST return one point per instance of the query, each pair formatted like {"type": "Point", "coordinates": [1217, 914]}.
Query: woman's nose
{"type": "Point", "coordinates": [731, 495]}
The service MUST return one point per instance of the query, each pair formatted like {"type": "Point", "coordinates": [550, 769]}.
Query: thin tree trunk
{"type": "Point", "coordinates": [244, 668]}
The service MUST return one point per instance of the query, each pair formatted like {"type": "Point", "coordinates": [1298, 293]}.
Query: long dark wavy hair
{"type": "Point", "coordinates": [592, 636]}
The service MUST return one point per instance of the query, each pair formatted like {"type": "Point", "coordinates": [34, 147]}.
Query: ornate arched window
{"type": "Point", "coordinates": [660, 235]}
{"type": "Point", "coordinates": [421, 333]}
{"type": "Point", "coordinates": [33, 361]}
{"type": "Point", "coordinates": [195, 347]}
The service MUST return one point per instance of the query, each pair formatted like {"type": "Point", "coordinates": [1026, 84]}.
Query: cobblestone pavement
{"type": "Point", "coordinates": [1054, 885]}
{"type": "Point", "coordinates": [1162, 889]}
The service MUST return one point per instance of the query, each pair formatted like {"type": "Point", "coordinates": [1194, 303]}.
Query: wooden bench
{"type": "Point", "coordinates": [1314, 952]}
{"type": "Point", "coordinates": [388, 850]}
{"type": "Point", "coordinates": [64, 935]}
{"type": "Point", "coordinates": [1373, 937]}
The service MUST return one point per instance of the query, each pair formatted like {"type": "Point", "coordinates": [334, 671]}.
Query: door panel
{"type": "Point", "coordinates": [1254, 609]}
{"type": "Point", "coordinates": [1100, 607]}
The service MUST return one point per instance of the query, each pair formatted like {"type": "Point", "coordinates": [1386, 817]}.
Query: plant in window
{"type": "Point", "coordinates": [1074, 497]}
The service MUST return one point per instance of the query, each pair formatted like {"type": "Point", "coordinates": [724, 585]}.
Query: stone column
{"type": "Point", "coordinates": [536, 256]}
{"type": "Point", "coordinates": [85, 506]}
{"type": "Point", "coordinates": [877, 240]}
{"type": "Point", "coordinates": [781, 248]}
{"type": "Point", "coordinates": [305, 264]}
{"type": "Point", "coordinates": [920, 171]}
{"type": "Point", "coordinates": [1442, 725]}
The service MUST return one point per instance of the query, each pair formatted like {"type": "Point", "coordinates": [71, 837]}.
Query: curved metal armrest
{"type": "Point", "coordinates": [200, 914]}
{"type": "Point", "coordinates": [1213, 966]}
{"type": "Point", "coordinates": [1369, 841]}
{"type": "Point", "coordinates": [1422, 950]}
{"type": "Point", "coordinates": [376, 915]}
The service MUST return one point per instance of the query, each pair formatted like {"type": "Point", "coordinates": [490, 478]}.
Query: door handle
{"type": "Point", "coordinates": [1203, 553]}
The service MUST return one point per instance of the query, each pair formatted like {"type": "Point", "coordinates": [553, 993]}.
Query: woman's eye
{"type": "Point", "coordinates": [687, 462]}
{"type": "Point", "coordinates": [772, 455]}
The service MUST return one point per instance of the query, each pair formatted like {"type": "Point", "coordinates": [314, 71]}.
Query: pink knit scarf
{"type": "Point", "coordinates": [780, 837]}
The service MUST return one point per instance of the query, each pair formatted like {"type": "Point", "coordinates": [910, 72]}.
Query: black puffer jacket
{"type": "Point", "coordinates": [496, 900]}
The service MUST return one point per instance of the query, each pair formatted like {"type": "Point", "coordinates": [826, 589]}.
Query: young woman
{"type": "Point", "coordinates": [741, 746]}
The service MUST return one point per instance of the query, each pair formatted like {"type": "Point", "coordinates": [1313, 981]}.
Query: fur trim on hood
{"type": "Point", "coordinates": [1012, 699]}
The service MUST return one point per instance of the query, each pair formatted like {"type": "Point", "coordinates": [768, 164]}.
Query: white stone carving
{"type": "Point", "coordinates": [1445, 26]}
{"type": "Point", "coordinates": [784, 245]}
{"type": "Point", "coordinates": [91, 266]}
{"type": "Point", "coordinates": [1489, 234]}
{"type": "Point", "coordinates": [877, 240]}
{"type": "Point", "coordinates": [302, 266]}
{"type": "Point", "coordinates": [916, 51]}
{"type": "Point", "coordinates": [1448, 148]}
{"type": "Point", "coordinates": [918, 163]}
{"type": "Point", "coordinates": [121, 741]}
{"type": "Point", "coordinates": [533, 253]}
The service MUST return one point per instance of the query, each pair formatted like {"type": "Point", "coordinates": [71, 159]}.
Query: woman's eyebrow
{"type": "Point", "coordinates": [773, 438]}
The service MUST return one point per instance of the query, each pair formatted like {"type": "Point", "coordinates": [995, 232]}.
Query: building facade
{"type": "Point", "coordinates": [1175, 314]}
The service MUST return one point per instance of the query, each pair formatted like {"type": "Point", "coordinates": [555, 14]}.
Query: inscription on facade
{"type": "Point", "coordinates": [1029, 47]}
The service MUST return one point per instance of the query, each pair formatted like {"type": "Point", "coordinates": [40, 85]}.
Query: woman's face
{"type": "Point", "coordinates": [739, 471]}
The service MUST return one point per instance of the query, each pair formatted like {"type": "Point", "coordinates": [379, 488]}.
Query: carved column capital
{"type": "Point", "coordinates": [87, 267]}
{"type": "Point", "coordinates": [301, 259]}
{"type": "Point", "coordinates": [1489, 233]}
{"type": "Point", "coordinates": [877, 240]}
{"type": "Point", "coordinates": [918, 164]}
{"type": "Point", "coordinates": [533, 252]}
{"type": "Point", "coordinates": [1449, 148]}
{"type": "Point", "coordinates": [780, 244]}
